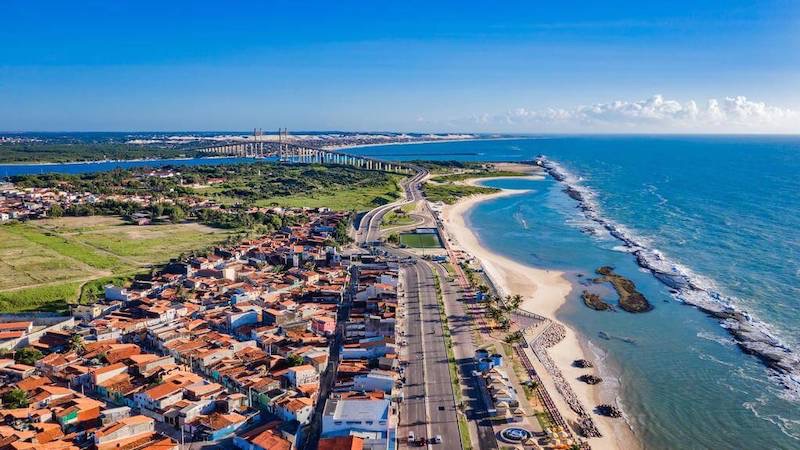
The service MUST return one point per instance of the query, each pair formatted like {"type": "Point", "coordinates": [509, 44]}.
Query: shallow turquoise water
{"type": "Point", "coordinates": [727, 208]}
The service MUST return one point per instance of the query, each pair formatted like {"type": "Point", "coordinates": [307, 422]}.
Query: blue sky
{"type": "Point", "coordinates": [698, 66]}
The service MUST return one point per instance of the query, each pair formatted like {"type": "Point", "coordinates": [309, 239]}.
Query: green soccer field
{"type": "Point", "coordinates": [420, 240]}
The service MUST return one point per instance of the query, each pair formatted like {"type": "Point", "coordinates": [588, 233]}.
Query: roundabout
{"type": "Point", "coordinates": [515, 435]}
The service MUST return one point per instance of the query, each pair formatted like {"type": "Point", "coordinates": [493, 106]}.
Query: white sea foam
{"type": "Point", "coordinates": [622, 249]}
{"type": "Point", "coordinates": [752, 335]}
{"type": "Point", "coordinates": [714, 338]}
{"type": "Point", "coordinates": [789, 427]}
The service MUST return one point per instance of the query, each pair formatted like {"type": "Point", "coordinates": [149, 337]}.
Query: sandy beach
{"type": "Point", "coordinates": [544, 292]}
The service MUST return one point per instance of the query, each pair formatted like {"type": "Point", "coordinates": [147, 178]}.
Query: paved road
{"type": "Point", "coordinates": [429, 407]}
{"type": "Point", "coordinates": [328, 378]}
{"type": "Point", "coordinates": [460, 324]}
{"type": "Point", "coordinates": [369, 229]}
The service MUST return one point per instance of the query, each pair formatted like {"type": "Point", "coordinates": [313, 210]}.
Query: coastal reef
{"type": "Point", "coordinates": [594, 301]}
{"type": "Point", "coordinates": [630, 299]}
{"type": "Point", "coordinates": [751, 335]}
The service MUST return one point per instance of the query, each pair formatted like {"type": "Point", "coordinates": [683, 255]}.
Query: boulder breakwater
{"type": "Point", "coordinates": [751, 335]}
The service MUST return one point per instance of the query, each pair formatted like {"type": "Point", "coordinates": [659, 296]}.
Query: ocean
{"type": "Point", "coordinates": [723, 211]}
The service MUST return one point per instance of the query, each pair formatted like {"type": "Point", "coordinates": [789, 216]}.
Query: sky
{"type": "Point", "coordinates": [691, 66]}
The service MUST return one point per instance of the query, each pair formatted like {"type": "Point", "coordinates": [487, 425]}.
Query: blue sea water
{"type": "Point", "coordinates": [726, 208]}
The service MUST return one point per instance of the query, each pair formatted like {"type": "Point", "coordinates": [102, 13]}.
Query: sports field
{"type": "Point", "coordinates": [44, 264]}
{"type": "Point", "coordinates": [414, 240]}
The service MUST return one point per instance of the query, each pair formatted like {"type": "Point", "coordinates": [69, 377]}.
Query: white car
{"type": "Point", "coordinates": [437, 439]}
{"type": "Point", "coordinates": [411, 437]}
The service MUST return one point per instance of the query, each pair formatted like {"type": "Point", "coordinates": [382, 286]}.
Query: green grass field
{"type": "Point", "coordinates": [44, 264]}
{"type": "Point", "coordinates": [450, 193]}
{"type": "Point", "coordinates": [399, 216]}
{"type": "Point", "coordinates": [477, 174]}
{"type": "Point", "coordinates": [420, 240]}
{"type": "Point", "coordinates": [353, 198]}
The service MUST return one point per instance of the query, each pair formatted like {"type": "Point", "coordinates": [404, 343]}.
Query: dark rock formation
{"type": "Point", "coordinates": [590, 379]}
{"type": "Point", "coordinates": [630, 299]}
{"type": "Point", "coordinates": [582, 363]}
{"type": "Point", "coordinates": [609, 411]}
{"type": "Point", "coordinates": [594, 301]}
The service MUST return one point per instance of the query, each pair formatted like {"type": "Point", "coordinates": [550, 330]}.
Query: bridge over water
{"type": "Point", "coordinates": [297, 153]}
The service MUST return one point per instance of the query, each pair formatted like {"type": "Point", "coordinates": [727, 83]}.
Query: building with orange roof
{"type": "Point", "coordinates": [294, 408]}
{"type": "Point", "coordinates": [341, 443]}
{"type": "Point", "coordinates": [265, 437]}
{"type": "Point", "coordinates": [216, 426]}
{"type": "Point", "coordinates": [131, 432]}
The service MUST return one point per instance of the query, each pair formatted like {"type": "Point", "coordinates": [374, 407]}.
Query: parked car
{"type": "Point", "coordinates": [411, 437]}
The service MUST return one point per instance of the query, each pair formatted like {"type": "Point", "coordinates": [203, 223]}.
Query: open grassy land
{"type": "Point", "coordinates": [344, 198]}
{"type": "Point", "coordinates": [420, 240]}
{"type": "Point", "coordinates": [451, 184]}
{"type": "Point", "coordinates": [477, 174]}
{"type": "Point", "coordinates": [450, 193]}
{"type": "Point", "coordinates": [399, 216]}
{"type": "Point", "coordinates": [46, 263]}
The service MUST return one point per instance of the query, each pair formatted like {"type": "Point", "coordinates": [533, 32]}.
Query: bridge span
{"type": "Point", "coordinates": [295, 153]}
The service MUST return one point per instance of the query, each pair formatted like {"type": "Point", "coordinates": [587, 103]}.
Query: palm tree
{"type": "Point", "coordinates": [495, 314]}
{"type": "Point", "coordinates": [76, 343]}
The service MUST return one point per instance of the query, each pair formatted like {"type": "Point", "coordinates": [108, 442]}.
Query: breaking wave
{"type": "Point", "coordinates": [750, 334]}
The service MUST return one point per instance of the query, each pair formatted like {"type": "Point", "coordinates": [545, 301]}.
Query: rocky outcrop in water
{"type": "Point", "coordinates": [630, 299]}
{"type": "Point", "coordinates": [590, 379]}
{"type": "Point", "coordinates": [608, 411]}
{"type": "Point", "coordinates": [594, 301]}
{"type": "Point", "coordinates": [750, 335]}
{"type": "Point", "coordinates": [582, 364]}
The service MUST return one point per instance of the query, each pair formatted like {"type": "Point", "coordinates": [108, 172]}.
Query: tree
{"type": "Point", "coordinates": [56, 210]}
{"type": "Point", "coordinates": [15, 398]}
{"type": "Point", "coordinates": [76, 343]}
{"type": "Point", "coordinates": [295, 360]}
{"type": "Point", "coordinates": [28, 356]}
{"type": "Point", "coordinates": [495, 314]}
{"type": "Point", "coordinates": [176, 214]}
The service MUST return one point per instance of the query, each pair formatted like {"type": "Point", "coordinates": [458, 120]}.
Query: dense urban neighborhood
{"type": "Point", "coordinates": [360, 325]}
{"type": "Point", "coordinates": [235, 344]}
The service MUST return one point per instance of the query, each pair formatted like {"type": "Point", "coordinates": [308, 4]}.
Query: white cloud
{"type": "Point", "coordinates": [655, 114]}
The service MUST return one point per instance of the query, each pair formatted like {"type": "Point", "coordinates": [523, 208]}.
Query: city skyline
{"type": "Point", "coordinates": [720, 67]}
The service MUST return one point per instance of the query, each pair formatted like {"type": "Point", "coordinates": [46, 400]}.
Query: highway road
{"type": "Point", "coordinates": [460, 324]}
{"type": "Point", "coordinates": [369, 229]}
{"type": "Point", "coordinates": [428, 407]}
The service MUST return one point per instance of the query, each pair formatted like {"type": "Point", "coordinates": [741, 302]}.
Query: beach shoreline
{"type": "Point", "coordinates": [544, 292]}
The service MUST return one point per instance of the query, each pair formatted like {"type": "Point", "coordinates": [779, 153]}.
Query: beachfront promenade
{"type": "Point", "coordinates": [469, 328]}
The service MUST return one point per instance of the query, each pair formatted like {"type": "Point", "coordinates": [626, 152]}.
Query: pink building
{"type": "Point", "coordinates": [323, 325]}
